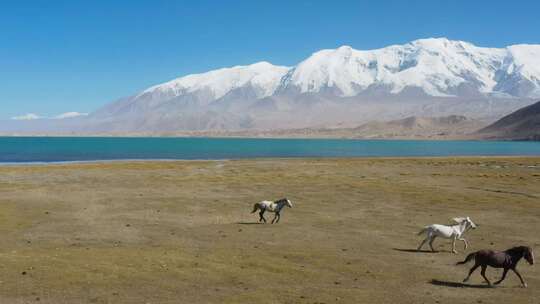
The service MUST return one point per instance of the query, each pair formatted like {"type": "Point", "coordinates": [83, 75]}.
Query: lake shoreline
{"type": "Point", "coordinates": [262, 159]}
{"type": "Point", "coordinates": [225, 136]}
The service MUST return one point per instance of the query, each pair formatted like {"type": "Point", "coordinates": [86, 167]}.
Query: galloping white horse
{"type": "Point", "coordinates": [456, 232]}
{"type": "Point", "coordinates": [271, 207]}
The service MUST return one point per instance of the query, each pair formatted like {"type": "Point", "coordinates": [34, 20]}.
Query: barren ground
{"type": "Point", "coordinates": [182, 232]}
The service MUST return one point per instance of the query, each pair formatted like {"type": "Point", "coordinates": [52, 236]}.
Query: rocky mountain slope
{"type": "Point", "coordinates": [523, 124]}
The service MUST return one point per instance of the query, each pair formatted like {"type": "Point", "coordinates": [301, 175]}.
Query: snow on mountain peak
{"type": "Point", "coordinates": [436, 66]}
{"type": "Point", "coordinates": [344, 49]}
{"type": "Point", "coordinates": [262, 75]}
{"type": "Point", "coordinates": [526, 58]}
{"type": "Point", "coordinates": [440, 42]}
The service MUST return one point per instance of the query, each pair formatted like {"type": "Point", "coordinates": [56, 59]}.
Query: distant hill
{"type": "Point", "coordinates": [523, 124]}
{"type": "Point", "coordinates": [413, 127]}
{"type": "Point", "coordinates": [424, 127]}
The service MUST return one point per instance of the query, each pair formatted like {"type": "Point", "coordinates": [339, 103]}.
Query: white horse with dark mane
{"type": "Point", "coordinates": [454, 232]}
{"type": "Point", "coordinates": [271, 206]}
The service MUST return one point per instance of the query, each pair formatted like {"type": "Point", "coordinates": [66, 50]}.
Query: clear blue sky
{"type": "Point", "coordinates": [59, 56]}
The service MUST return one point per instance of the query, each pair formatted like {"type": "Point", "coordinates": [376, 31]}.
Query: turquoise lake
{"type": "Point", "coordinates": [62, 149]}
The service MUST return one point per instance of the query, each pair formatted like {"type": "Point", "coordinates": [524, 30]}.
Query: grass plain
{"type": "Point", "coordinates": [182, 232]}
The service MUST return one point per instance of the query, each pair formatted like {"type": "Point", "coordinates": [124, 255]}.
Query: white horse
{"type": "Point", "coordinates": [454, 232]}
{"type": "Point", "coordinates": [271, 207]}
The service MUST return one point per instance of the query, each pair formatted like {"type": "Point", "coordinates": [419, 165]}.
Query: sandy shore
{"type": "Point", "coordinates": [182, 232]}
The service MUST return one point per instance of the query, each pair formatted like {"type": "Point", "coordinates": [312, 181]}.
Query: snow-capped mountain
{"type": "Point", "coordinates": [426, 77]}
{"type": "Point", "coordinates": [438, 67]}
{"type": "Point", "coordinates": [263, 78]}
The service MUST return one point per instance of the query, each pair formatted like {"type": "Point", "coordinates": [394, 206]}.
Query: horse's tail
{"type": "Point", "coordinates": [468, 258]}
{"type": "Point", "coordinates": [423, 230]}
{"type": "Point", "coordinates": [255, 207]}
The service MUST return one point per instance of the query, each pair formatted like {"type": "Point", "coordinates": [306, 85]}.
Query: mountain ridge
{"type": "Point", "coordinates": [425, 77]}
{"type": "Point", "coordinates": [352, 71]}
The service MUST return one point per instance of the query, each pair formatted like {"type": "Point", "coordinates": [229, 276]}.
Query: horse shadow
{"type": "Point", "coordinates": [415, 251]}
{"type": "Point", "coordinates": [457, 284]}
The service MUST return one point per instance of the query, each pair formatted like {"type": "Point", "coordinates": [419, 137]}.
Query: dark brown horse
{"type": "Point", "coordinates": [499, 259]}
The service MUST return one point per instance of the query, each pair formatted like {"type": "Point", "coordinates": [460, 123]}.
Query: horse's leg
{"type": "Point", "coordinates": [464, 242]}
{"type": "Point", "coordinates": [431, 242]}
{"type": "Point", "coordinates": [261, 214]}
{"type": "Point", "coordinates": [503, 277]}
{"type": "Point", "coordinates": [520, 278]}
{"type": "Point", "coordinates": [275, 217]}
{"type": "Point", "coordinates": [483, 273]}
{"type": "Point", "coordinates": [422, 244]}
{"type": "Point", "coordinates": [454, 245]}
{"type": "Point", "coordinates": [471, 272]}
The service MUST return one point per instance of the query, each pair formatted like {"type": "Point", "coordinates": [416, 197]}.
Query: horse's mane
{"type": "Point", "coordinates": [459, 220]}
{"type": "Point", "coordinates": [522, 249]}
{"type": "Point", "coordinates": [280, 200]}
